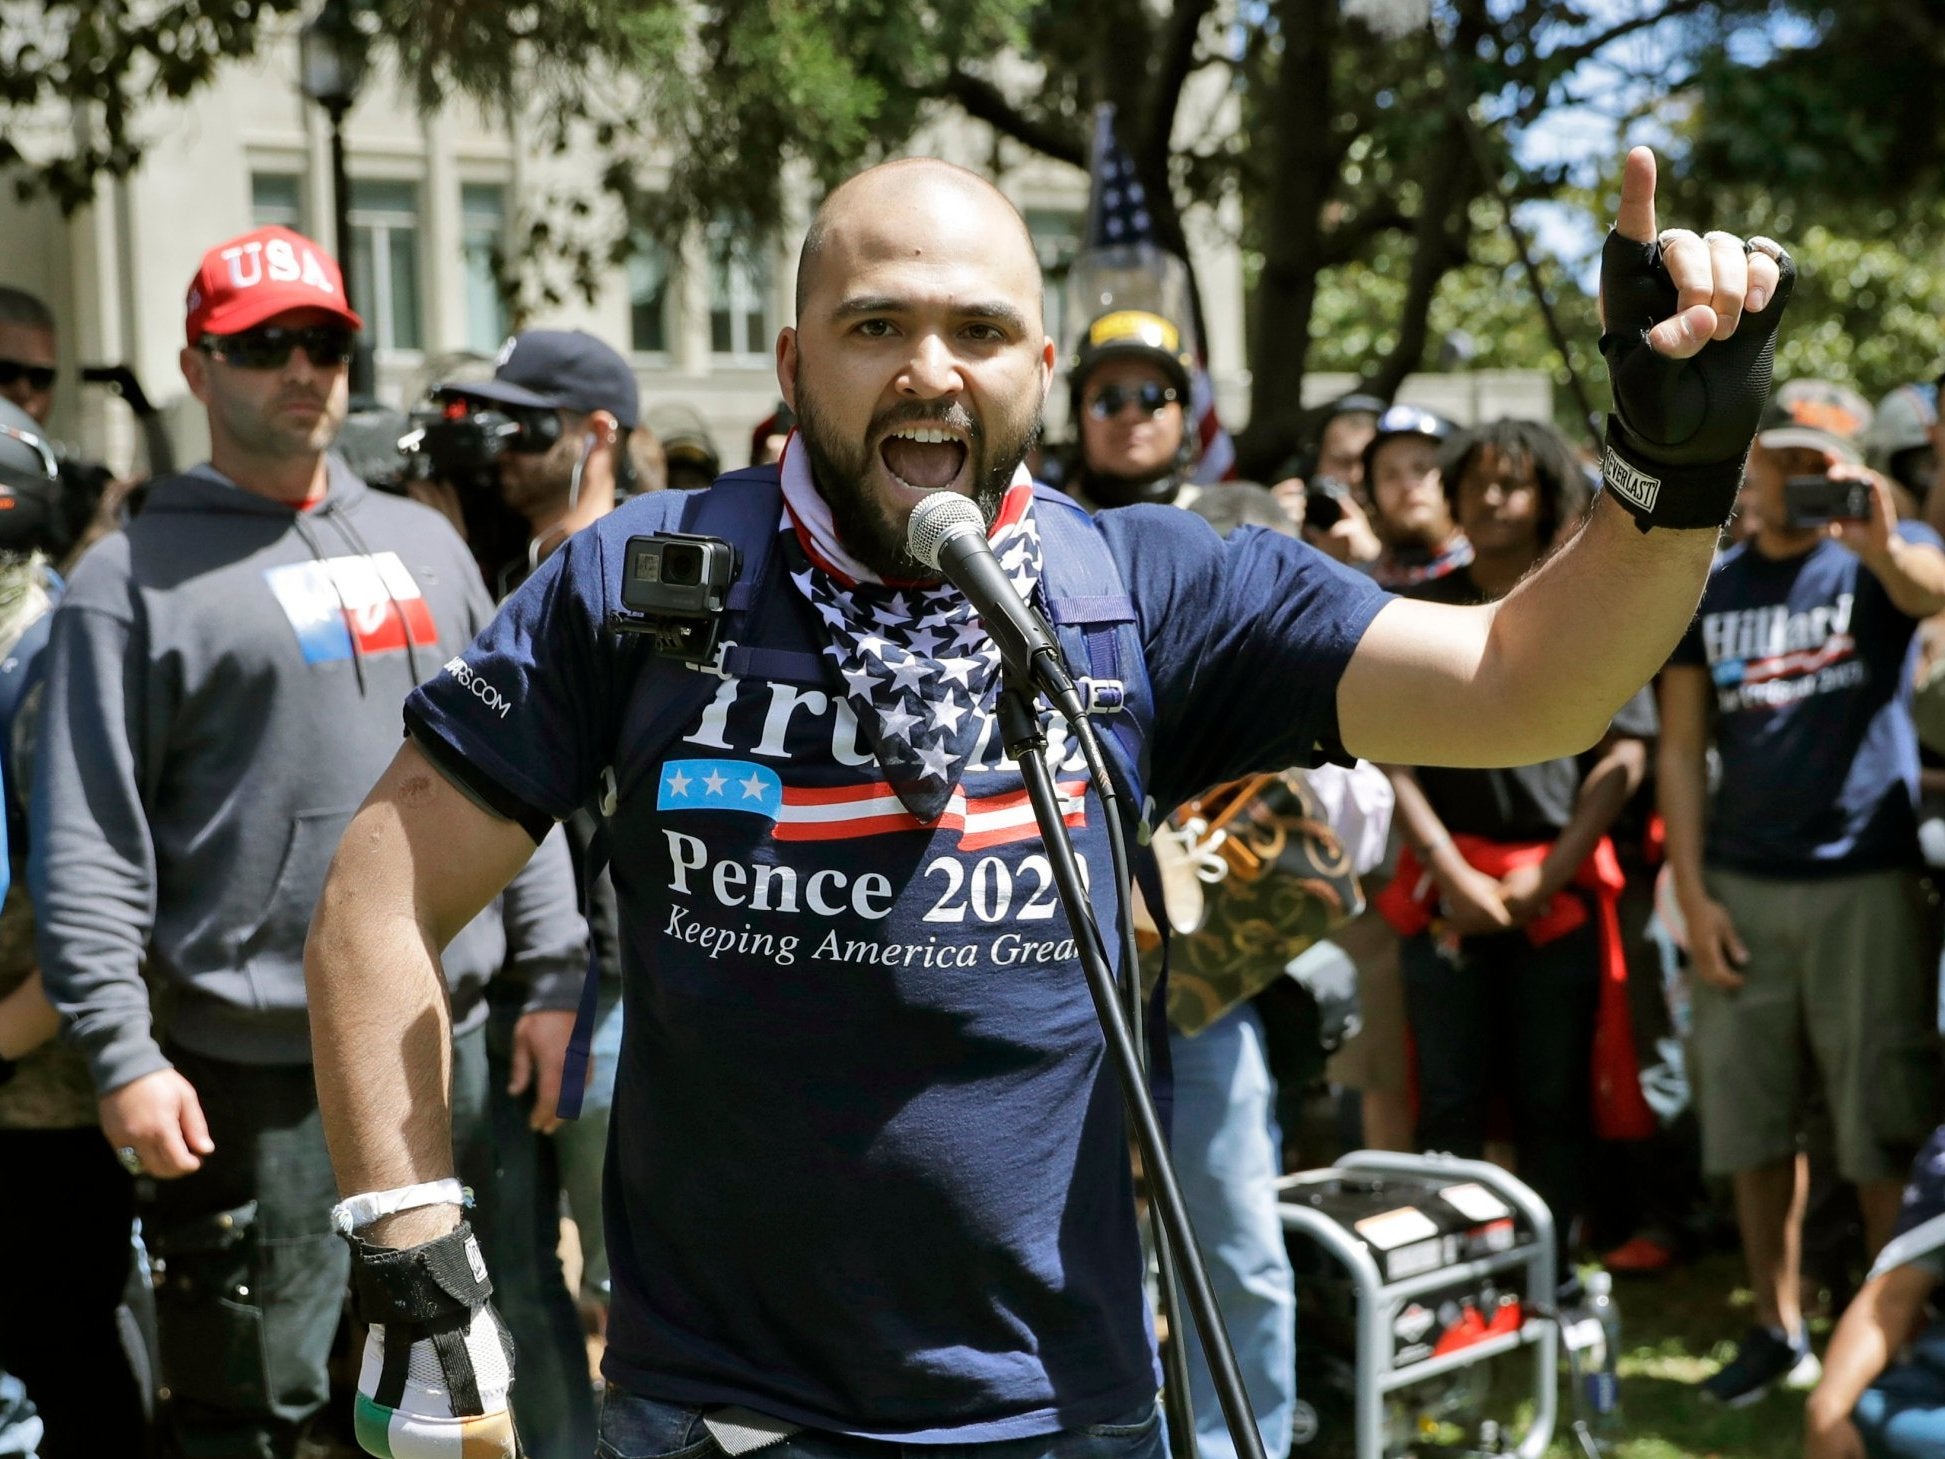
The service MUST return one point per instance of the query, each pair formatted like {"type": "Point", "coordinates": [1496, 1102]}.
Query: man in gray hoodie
{"type": "Point", "coordinates": [223, 687]}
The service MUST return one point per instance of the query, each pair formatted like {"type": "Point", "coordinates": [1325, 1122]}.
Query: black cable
{"type": "Point", "coordinates": [1020, 733]}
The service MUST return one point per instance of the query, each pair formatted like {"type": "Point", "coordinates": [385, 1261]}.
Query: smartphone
{"type": "Point", "coordinates": [1816, 501]}
{"type": "Point", "coordinates": [1323, 503]}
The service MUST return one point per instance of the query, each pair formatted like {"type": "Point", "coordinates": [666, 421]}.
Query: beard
{"type": "Point", "coordinates": [842, 472]}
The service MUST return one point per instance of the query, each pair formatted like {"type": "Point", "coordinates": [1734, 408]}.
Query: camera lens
{"type": "Point", "coordinates": [682, 565]}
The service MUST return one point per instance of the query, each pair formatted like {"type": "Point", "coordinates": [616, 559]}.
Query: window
{"type": "Point", "coordinates": [648, 297]}
{"type": "Point", "coordinates": [739, 297]}
{"type": "Point", "coordinates": [385, 263]}
{"type": "Point", "coordinates": [482, 241]}
{"type": "Point", "coordinates": [1057, 240]}
{"type": "Point", "coordinates": [277, 197]}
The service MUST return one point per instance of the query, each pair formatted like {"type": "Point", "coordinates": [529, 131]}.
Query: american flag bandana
{"type": "Point", "coordinates": [920, 671]}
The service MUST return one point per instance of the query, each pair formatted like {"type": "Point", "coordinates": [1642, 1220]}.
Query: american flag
{"type": "Point", "coordinates": [1118, 216]}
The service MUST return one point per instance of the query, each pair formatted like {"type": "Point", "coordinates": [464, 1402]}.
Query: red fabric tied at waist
{"type": "Point", "coordinates": [1410, 904]}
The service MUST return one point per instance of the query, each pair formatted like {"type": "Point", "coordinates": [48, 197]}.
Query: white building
{"type": "Point", "coordinates": [432, 198]}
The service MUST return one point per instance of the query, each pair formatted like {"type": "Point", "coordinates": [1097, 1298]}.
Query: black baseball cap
{"type": "Point", "coordinates": [562, 369]}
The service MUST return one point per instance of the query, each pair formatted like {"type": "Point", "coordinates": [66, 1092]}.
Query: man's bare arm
{"type": "Point", "coordinates": [417, 863]}
{"type": "Point", "coordinates": [1538, 674]}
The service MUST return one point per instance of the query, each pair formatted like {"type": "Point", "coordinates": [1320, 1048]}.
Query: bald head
{"type": "Point", "coordinates": [909, 207]}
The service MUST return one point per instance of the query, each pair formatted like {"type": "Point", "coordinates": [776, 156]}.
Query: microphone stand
{"type": "Point", "coordinates": [1177, 1252]}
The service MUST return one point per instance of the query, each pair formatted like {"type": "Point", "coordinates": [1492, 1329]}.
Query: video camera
{"type": "Point", "coordinates": [460, 439]}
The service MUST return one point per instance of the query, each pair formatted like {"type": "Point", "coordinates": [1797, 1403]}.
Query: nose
{"type": "Point", "coordinates": [933, 370]}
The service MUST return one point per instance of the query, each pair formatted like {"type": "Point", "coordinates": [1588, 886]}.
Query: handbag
{"type": "Point", "coordinates": [1273, 878]}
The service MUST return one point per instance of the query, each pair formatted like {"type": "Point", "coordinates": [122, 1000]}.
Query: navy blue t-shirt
{"type": "Point", "coordinates": [867, 1167]}
{"type": "Point", "coordinates": [1809, 659]}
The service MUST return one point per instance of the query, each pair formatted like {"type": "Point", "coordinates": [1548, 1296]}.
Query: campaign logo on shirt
{"type": "Point", "coordinates": [844, 813]}
{"type": "Point", "coordinates": [1764, 658]}
{"type": "Point", "coordinates": [342, 605]}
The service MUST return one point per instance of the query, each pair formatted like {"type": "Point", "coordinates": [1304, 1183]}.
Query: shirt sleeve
{"type": "Point", "coordinates": [92, 867]}
{"type": "Point", "coordinates": [1245, 638]}
{"type": "Point", "coordinates": [1638, 717]}
{"type": "Point", "coordinates": [524, 717]}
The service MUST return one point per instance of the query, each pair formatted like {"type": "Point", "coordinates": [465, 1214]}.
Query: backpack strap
{"type": "Point", "coordinates": [1094, 620]}
{"type": "Point", "coordinates": [744, 508]}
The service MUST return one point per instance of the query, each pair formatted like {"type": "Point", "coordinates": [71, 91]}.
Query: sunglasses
{"type": "Point", "coordinates": [269, 348]}
{"type": "Point", "coordinates": [1152, 399]}
{"type": "Point", "coordinates": [38, 377]}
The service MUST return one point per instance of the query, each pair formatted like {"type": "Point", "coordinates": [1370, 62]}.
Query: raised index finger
{"type": "Point", "coordinates": [1636, 220]}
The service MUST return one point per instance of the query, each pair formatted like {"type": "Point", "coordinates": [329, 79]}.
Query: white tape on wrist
{"type": "Point", "coordinates": [353, 1213]}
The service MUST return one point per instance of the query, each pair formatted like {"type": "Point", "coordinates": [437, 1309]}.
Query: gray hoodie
{"type": "Point", "coordinates": [224, 681]}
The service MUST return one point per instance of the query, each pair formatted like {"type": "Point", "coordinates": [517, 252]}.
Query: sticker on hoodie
{"type": "Point", "coordinates": [336, 603]}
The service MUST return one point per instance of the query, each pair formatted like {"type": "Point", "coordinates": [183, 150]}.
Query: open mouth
{"type": "Point", "coordinates": [922, 457]}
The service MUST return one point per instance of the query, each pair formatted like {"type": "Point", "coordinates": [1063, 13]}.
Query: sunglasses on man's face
{"type": "Point", "coordinates": [1152, 399]}
{"type": "Point", "coordinates": [38, 377]}
{"type": "Point", "coordinates": [269, 347]}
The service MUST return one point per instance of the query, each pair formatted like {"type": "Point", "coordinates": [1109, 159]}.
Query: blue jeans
{"type": "Point", "coordinates": [1902, 1415]}
{"type": "Point", "coordinates": [633, 1427]}
{"type": "Point", "coordinates": [1228, 1153]}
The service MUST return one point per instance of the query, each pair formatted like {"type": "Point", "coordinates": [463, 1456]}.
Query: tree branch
{"type": "Point", "coordinates": [1568, 57]}
{"type": "Point", "coordinates": [1177, 64]}
{"type": "Point", "coordinates": [1341, 244]}
{"type": "Point", "coordinates": [983, 101]}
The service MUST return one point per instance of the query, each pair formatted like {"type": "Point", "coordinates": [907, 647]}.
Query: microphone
{"type": "Point", "coordinates": [947, 532]}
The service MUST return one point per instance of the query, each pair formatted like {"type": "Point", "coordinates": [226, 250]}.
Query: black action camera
{"type": "Point", "coordinates": [1817, 501]}
{"type": "Point", "coordinates": [674, 586]}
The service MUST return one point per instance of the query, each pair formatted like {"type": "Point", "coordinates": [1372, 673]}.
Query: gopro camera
{"type": "Point", "coordinates": [1817, 501]}
{"type": "Point", "coordinates": [674, 586]}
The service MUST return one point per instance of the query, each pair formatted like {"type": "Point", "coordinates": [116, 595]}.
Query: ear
{"type": "Point", "coordinates": [195, 370]}
{"type": "Point", "coordinates": [787, 365]}
{"type": "Point", "coordinates": [1049, 359]}
{"type": "Point", "coordinates": [607, 430]}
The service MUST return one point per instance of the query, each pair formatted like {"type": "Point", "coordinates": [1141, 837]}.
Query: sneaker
{"type": "Point", "coordinates": [1762, 1359]}
{"type": "Point", "coordinates": [1639, 1255]}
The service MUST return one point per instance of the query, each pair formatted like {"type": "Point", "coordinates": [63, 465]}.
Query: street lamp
{"type": "Point", "coordinates": [331, 50]}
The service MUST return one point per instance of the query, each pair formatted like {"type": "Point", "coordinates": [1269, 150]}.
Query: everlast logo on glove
{"type": "Point", "coordinates": [1635, 487]}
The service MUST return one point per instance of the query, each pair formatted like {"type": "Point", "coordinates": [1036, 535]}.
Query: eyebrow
{"type": "Point", "coordinates": [993, 310]}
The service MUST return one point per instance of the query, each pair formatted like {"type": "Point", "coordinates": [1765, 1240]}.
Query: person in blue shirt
{"type": "Point", "coordinates": [869, 1169]}
{"type": "Point", "coordinates": [1798, 878]}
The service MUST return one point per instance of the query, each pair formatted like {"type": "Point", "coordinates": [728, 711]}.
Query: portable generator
{"type": "Point", "coordinates": [1419, 1278]}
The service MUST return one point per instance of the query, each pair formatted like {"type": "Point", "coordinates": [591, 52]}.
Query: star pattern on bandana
{"type": "Point", "coordinates": [919, 669]}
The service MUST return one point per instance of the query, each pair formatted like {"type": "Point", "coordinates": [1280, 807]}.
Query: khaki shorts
{"type": "Point", "coordinates": [1373, 1058]}
{"type": "Point", "coordinates": [1842, 982]}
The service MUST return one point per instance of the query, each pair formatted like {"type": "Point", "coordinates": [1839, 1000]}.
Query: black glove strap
{"type": "Point", "coordinates": [427, 1292]}
{"type": "Point", "coordinates": [1659, 495]}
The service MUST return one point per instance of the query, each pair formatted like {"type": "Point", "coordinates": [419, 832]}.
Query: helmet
{"type": "Point", "coordinates": [1140, 333]}
{"type": "Point", "coordinates": [1406, 420]}
{"type": "Point", "coordinates": [30, 485]}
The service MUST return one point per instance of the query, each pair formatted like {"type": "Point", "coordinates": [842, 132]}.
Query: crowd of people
{"type": "Point", "coordinates": [852, 1204]}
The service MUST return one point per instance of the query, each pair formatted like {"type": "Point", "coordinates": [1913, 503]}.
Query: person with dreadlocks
{"type": "Point", "coordinates": [1503, 892]}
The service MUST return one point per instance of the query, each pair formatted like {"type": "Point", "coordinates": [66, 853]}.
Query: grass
{"type": "Point", "coordinates": [1678, 1328]}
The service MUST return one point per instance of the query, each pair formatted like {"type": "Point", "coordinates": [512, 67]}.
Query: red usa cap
{"type": "Point", "coordinates": [259, 275]}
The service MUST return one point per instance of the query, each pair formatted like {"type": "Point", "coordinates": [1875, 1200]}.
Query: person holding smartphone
{"type": "Point", "coordinates": [1798, 877]}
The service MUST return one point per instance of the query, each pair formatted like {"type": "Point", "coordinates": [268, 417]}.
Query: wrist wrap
{"type": "Point", "coordinates": [426, 1293]}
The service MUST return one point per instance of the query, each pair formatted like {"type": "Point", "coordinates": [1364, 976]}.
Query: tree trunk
{"type": "Point", "coordinates": [1300, 179]}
